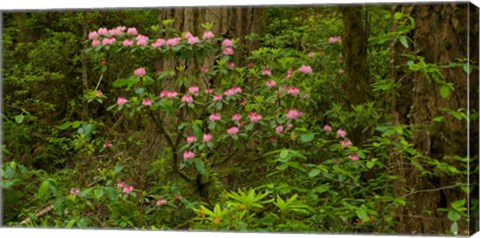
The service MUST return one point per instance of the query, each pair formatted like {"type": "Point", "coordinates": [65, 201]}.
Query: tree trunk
{"type": "Point", "coordinates": [357, 70]}
{"type": "Point", "coordinates": [440, 37]}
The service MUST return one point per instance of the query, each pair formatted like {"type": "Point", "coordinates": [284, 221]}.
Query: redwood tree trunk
{"type": "Point", "coordinates": [440, 37]}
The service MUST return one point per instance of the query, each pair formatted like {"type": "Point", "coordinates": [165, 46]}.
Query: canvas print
{"type": "Point", "coordinates": [324, 119]}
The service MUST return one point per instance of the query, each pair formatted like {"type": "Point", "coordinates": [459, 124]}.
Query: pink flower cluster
{"type": "Point", "coordinates": [140, 72]}
{"type": "Point", "coordinates": [293, 114]}
{"type": "Point", "coordinates": [187, 99]}
{"type": "Point", "coordinates": [254, 117]}
{"type": "Point", "coordinates": [232, 130]}
{"type": "Point", "coordinates": [74, 191]}
{"type": "Point", "coordinates": [121, 101]}
{"type": "Point", "coordinates": [188, 155]}
{"type": "Point", "coordinates": [207, 35]}
{"type": "Point", "coordinates": [126, 188]}
{"type": "Point", "coordinates": [334, 39]}
{"type": "Point", "coordinates": [227, 44]}
{"type": "Point", "coordinates": [193, 89]}
{"type": "Point", "coordinates": [305, 69]}
{"type": "Point", "coordinates": [158, 43]}
{"type": "Point", "coordinates": [142, 40]}
{"type": "Point", "coordinates": [168, 94]}
{"type": "Point", "coordinates": [231, 92]}
{"type": "Point", "coordinates": [174, 41]}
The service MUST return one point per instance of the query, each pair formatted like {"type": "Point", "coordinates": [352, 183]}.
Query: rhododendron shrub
{"type": "Point", "coordinates": [206, 110]}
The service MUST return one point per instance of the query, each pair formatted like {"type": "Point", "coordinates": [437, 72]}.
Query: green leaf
{"type": "Point", "coordinates": [307, 137]}
{"type": "Point", "coordinates": [444, 91]}
{"type": "Point", "coordinates": [313, 173]}
{"type": "Point", "coordinates": [44, 189]}
{"type": "Point", "coordinates": [370, 164]}
{"type": "Point", "coordinates": [454, 228]}
{"type": "Point", "coordinates": [284, 154]}
{"type": "Point", "coordinates": [71, 223]}
{"type": "Point", "coordinates": [467, 68]}
{"type": "Point", "coordinates": [398, 15]}
{"type": "Point", "coordinates": [362, 213]}
{"type": "Point", "coordinates": [454, 215]}
{"type": "Point", "coordinates": [404, 41]}
{"type": "Point", "coordinates": [200, 166]}
{"type": "Point", "coordinates": [19, 118]}
{"type": "Point", "coordinates": [119, 83]}
{"type": "Point", "coordinates": [117, 169]}
{"type": "Point", "coordinates": [65, 125]}
{"type": "Point", "coordinates": [458, 204]}
{"type": "Point", "coordinates": [197, 129]}
{"type": "Point", "coordinates": [98, 193]}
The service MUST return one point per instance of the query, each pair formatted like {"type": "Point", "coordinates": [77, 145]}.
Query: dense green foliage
{"type": "Point", "coordinates": [278, 158]}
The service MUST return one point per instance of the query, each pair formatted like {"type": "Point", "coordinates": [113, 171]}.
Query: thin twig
{"type": "Point", "coordinates": [432, 190]}
{"type": "Point", "coordinates": [38, 214]}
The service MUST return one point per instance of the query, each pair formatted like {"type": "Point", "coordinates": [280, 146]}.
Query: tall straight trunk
{"type": "Point", "coordinates": [355, 43]}
{"type": "Point", "coordinates": [441, 37]}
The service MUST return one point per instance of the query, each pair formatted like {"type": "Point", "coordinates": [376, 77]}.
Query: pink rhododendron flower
{"type": "Point", "coordinates": [132, 31]}
{"type": "Point", "coordinates": [293, 114]}
{"type": "Point", "coordinates": [217, 97]}
{"type": "Point", "coordinates": [341, 133]}
{"type": "Point", "coordinates": [208, 35]}
{"type": "Point", "coordinates": [93, 35]}
{"type": "Point", "coordinates": [107, 144]}
{"type": "Point", "coordinates": [228, 51]}
{"type": "Point", "coordinates": [209, 90]}
{"type": "Point", "coordinates": [96, 43]}
{"type": "Point", "coordinates": [108, 41]}
{"type": "Point", "coordinates": [354, 157]}
{"type": "Point", "coordinates": [99, 93]}
{"type": "Point", "coordinates": [174, 41]}
{"type": "Point", "coordinates": [254, 117]}
{"type": "Point", "coordinates": [127, 42]}
{"type": "Point", "coordinates": [140, 72]}
{"type": "Point", "coordinates": [237, 89]}
{"type": "Point", "coordinates": [193, 40]}
{"type": "Point", "coordinates": [241, 123]}
{"type": "Point", "coordinates": [290, 125]}
{"type": "Point", "coordinates": [273, 140]}
{"type": "Point", "coordinates": [178, 196]}
{"type": "Point", "coordinates": [127, 189]}
{"type": "Point", "coordinates": [243, 102]}
{"type": "Point", "coordinates": [158, 43]}
{"type": "Point", "coordinates": [102, 31]}
{"type": "Point", "coordinates": [163, 94]}
{"type": "Point", "coordinates": [345, 143]}
{"type": "Point", "coordinates": [120, 184]}
{"type": "Point", "coordinates": [271, 83]}
{"type": "Point", "coordinates": [114, 32]}
{"type": "Point", "coordinates": [142, 40]}
{"type": "Point", "coordinates": [236, 117]}
{"type": "Point", "coordinates": [227, 43]}
{"type": "Point", "coordinates": [193, 89]}
{"type": "Point", "coordinates": [121, 101]}
{"type": "Point", "coordinates": [188, 155]}
{"type": "Point", "coordinates": [188, 35]}
{"type": "Point", "coordinates": [187, 99]}
{"type": "Point", "coordinates": [232, 130]}
{"type": "Point", "coordinates": [205, 69]}
{"type": "Point", "coordinates": [206, 138]}
{"type": "Point", "coordinates": [293, 91]}
{"type": "Point", "coordinates": [311, 54]}
{"type": "Point", "coordinates": [161, 201]}
{"type": "Point", "coordinates": [334, 39]}
{"type": "Point", "coordinates": [231, 64]}
{"type": "Point", "coordinates": [229, 92]}
{"type": "Point", "coordinates": [305, 69]}
{"type": "Point", "coordinates": [266, 71]}
{"type": "Point", "coordinates": [289, 73]}
{"type": "Point", "coordinates": [327, 128]}
{"type": "Point", "coordinates": [171, 94]}
{"type": "Point", "coordinates": [147, 102]}
{"type": "Point", "coordinates": [214, 117]}
{"type": "Point", "coordinates": [279, 129]}
{"type": "Point", "coordinates": [191, 139]}
{"type": "Point", "coordinates": [74, 191]}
